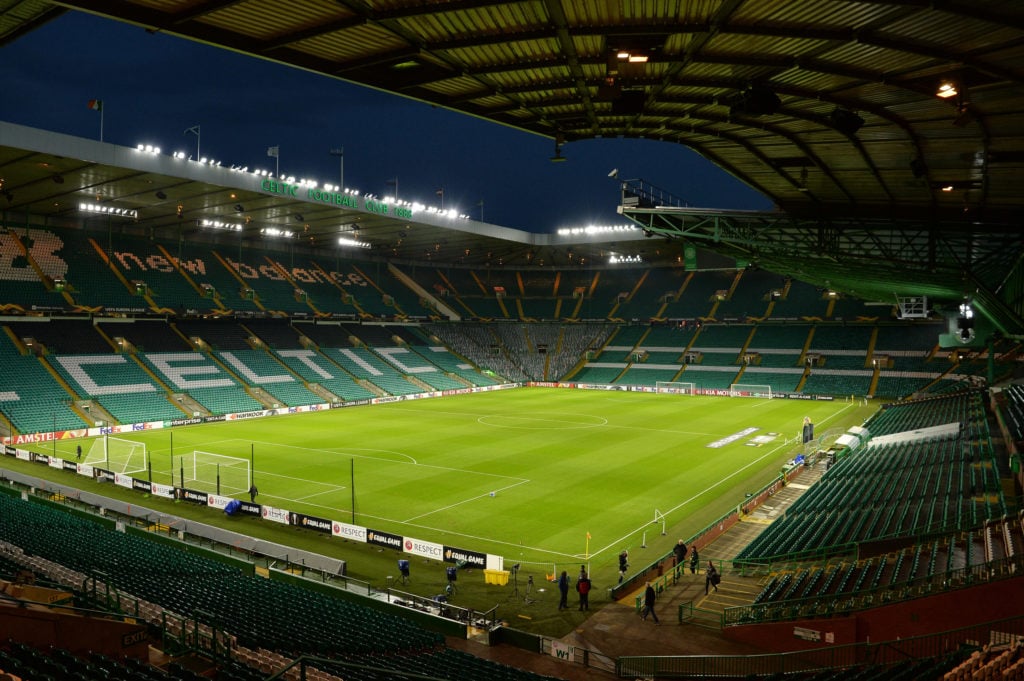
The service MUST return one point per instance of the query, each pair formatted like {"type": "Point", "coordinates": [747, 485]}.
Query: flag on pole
{"type": "Point", "coordinates": [274, 151]}
{"type": "Point", "coordinates": [96, 104]}
{"type": "Point", "coordinates": [440, 192]}
{"type": "Point", "coordinates": [588, 535]}
{"type": "Point", "coordinates": [193, 130]}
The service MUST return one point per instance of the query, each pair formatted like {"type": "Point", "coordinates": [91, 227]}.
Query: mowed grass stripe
{"type": "Point", "coordinates": [561, 462]}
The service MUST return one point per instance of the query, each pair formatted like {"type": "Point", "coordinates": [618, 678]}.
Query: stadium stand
{"type": "Point", "coordinates": [292, 621]}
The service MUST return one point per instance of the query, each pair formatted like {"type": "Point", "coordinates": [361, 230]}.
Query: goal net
{"type": "Point", "coordinates": [750, 390]}
{"type": "Point", "coordinates": [217, 473]}
{"type": "Point", "coordinates": [118, 455]}
{"type": "Point", "coordinates": [676, 388]}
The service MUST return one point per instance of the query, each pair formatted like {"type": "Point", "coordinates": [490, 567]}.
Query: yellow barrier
{"type": "Point", "coordinates": [499, 577]}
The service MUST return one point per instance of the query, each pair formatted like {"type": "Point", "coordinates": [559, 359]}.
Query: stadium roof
{"type": "Point", "coordinates": [57, 179]}
{"type": "Point", "coordinates": [826, 107]}
{"type": "Point", "coordinates": [885, 131]}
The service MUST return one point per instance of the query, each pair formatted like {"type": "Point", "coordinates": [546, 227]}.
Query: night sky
{"type": "Point", "coordinates": [155, 86]}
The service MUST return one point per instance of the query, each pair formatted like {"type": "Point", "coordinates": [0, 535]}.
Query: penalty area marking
{"type": "Point", "coordinates": [464, 501]}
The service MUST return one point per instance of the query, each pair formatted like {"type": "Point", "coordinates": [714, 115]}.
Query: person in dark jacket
{"type": "Point", "coordinates": [583, 589]}
{"type": "Point", "coordinates": [563, 590]}
{"type": "Point", "coordinates": [649, 597]}
{"type": "Point", "coordinates": [711, 578]}
{"type": "Point", "coordinates": [679, 550]}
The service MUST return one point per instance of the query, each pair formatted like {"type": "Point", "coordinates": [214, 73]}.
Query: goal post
{"type": "Point", "coordinates": [118, 455]}
{"type": "Point", "coordinates": [675, 387]}
{"type": "Point", "coordinates": [217, 473]}
{"type": "Point", "coordinates": [750, 390]}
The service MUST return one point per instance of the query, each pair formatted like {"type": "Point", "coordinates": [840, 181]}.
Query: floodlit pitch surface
{"type": "Point", "coordinates": [560, 463]}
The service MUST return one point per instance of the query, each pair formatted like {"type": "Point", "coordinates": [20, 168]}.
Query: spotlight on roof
{"type": "Point", "coordinates": [946, 90]}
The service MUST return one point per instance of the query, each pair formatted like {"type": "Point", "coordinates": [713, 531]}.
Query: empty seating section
{"type": "Point", "coordinates": [838, 340]}
{"type": "Point", "coordinates": [224, 334]}
{"type": "Point", "coordinates": [364, 364]}
{"type": "Point", "coordinates": [63, 335]}
{"type": "Point", "coordinates": [540, 284]}
{"type": "Point", "coordinates": [260, 369]}
{"type": "Point", "coordinates": [698, 297]}
{"type": "Point", "coordinates": [957, 558]}
{"type": "Point", "coordinates": [480, 344]}
{"type": "Point", "coordinates": [670, 340]}
{"type": "Point", "coordinates": [91, 282]}
{"type": "Point", "coordinates": [709, 378]}
{"type": "Point", "coordinates": [900, 488]}
{"type": "Point", "coordinates": [536, 309]}
{"type": "Point", "coordinates": [518, 347]}
{"type": "Point", "coordinates": [453, 364]}
{"type": "Point", "coordinates": [291, 619]}
{"type": "Point", "coordinates": [275, 333]}
{"type": "Point", "coordinates": [118, 383]}
{"type": "Point", "coordinates": [647, 374]}
{"type": "Point", "coordinates": [801, 300]}
{"type": "Point", "coordinates": [20, 285]}
{"type": "Point", "coordinates": [456, 281]}
{"type": "Point", "coordinates": [140, 407]}
{"type": "Point", "coordinates": [408, 362]}
{"type": "Point", "coordinates": [780, 380]}
{"type": "Point", "coordinates": [1014, 411]}
{"type": "Point", "coordinates": [314, 367]}
{"type": "Point", "coordinates": [722, 339]}
{"type": "Point", "coordinates": [851, 309]}
{"type": "Point", "coordinates": [646, 301]}
{"type": "Point", "coordinates": [788, 339]}
{"type": "Point", "coordinates": [201, 264]}
{"type": "Point", "coordinates": [838, 382]}
{"type": "Point", "coordinates": [718, 359]}
{"type": "Point", "coordinates": [622, 343]}
{"type": "Point", "coordinates": [269, 277]}
{"type": "Point", "coordinates": [202, 378]}
{"type": "Point", "coordinates": [55, 664]}
{"type": "Point", "coordinates": [336, 286]}
{"type": "Point", "coordinates": [959, 408]}
{"type": "Point", "coordinates": [921, 336]}
{"type": "Point", "coordinates": [146, 335]}
{"type": "Point", "coordinates": [30, 397]}
{"type": "Point", "coordinates": [605, 288]}
{"type": "Point", "coordinates": [143, 260]}
{"type": "Point", "coordinates": [751, 295]}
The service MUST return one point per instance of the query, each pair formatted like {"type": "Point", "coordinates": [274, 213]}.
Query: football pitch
{"type": "Point", "coordinates": [527, 473]}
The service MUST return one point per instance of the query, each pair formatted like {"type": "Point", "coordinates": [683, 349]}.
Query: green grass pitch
{"type": "Point", "coordinates": [560, 464]}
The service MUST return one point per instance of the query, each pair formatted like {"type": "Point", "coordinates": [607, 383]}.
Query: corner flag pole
{"type": "Point", "coordinates": [586, 552]}
{"type": "Point", "coordinates": [352, 484]}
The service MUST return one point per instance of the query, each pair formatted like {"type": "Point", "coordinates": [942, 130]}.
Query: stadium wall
{"type": "Point", "coordinates": [46, 628]}
{"type": "Point", "coordinates": [930, 615]}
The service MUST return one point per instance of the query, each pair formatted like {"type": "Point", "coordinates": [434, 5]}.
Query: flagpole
{"type": "Point", "coordinates": [195, 130]}
{"type": "Point", "coordinates": [586, 552]}
{"type": "Point", "coordinates": [102, 111]}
